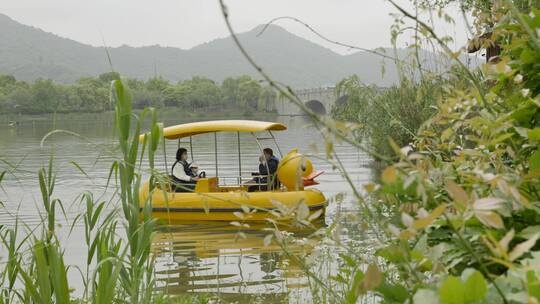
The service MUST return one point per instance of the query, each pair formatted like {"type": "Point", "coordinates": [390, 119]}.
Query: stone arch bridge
{"type": "Point", "coordinates": [319, 100]}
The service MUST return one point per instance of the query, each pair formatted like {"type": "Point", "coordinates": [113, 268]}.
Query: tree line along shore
{"type": "Point", "coordinates": [91, 94]}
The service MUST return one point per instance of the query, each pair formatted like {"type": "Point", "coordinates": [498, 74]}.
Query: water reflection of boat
{"type": "Point", "coordinates": [233, 262]}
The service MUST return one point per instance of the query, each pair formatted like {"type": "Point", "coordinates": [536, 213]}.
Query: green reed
{"type": "Point", "coordinates": [118, 269]}
{"type": "Point", "coordinates": [397, 112]}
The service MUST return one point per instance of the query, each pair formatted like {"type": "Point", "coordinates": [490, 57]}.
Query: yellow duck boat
{"type": "Point", "coordinates": [214, 200]}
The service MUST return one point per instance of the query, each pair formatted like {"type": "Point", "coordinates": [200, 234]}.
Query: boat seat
{"type": "Point", "coordinates": [208, 184]}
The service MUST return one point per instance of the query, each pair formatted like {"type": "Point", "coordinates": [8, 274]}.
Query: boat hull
{"type": "Point", "coordinates": [227, 206]}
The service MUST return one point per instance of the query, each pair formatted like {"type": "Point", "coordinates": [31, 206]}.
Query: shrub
{"type": "Point", "coordinates": [396, 112]}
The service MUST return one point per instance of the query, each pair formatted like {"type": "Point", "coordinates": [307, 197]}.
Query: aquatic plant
{"type": "Point", "coordinates": [118, 269]}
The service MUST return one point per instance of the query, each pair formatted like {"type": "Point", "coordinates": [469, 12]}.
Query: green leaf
{"type": "Point", "coordinates": [446, 134]}
{"type": "Point", "coordinates": [534, 161]}
{"type": "Point", "coordinates": [393, 293]}
{"type": "Point", "coordinates": [534, 134]}
{"type": "Point", "coordinates": [43, 272]}
{"type": "Point", "coordinates": [489, 218]}
{"type": "Point", "coordinates": [457, 192]}
{"type": "Point", "coordinates": [452, 291]}
{"type": "Point", "coordinates": [352, 294]}
{"type": "Point", "coordinates": [488, 203]}
{"type": "Point", "coordinates": [527, 56]}
{"type": "Point", "coordinates": [529, 232]}
{"type": "Point", "coordinates": [476, 287]}
{"type": "Point", "coordinates": [80, 169]}
{"type": "Point", "coordinates": [523, 247]}
{"type": "Point", "coordinates": [524, 113]}
{"type": "Point", "coordinates": [501, 138]}
{"type": "Point", "coordinates": [426, 221]}
{"type": "Point", "coordinates": [533, 285]}
{"type": "Point", "coordinates": [392, 254]}
{"type": "Point", "coordinates": [351, 262]}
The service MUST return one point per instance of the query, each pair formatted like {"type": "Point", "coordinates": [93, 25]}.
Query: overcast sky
{"type": "Point", "coordinates": [186, 23]}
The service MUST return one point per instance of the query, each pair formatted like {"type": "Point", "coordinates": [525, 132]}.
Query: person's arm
{"type": "Point", "coordinates": [272, 166]}
{"type": "Point", "coordinates": [179, 173]}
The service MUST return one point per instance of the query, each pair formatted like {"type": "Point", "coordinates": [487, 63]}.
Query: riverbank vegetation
{"type": "Point", "coordinates": [397, 112]}
{"type": "Point", "coordinates": [92, 94]}
{"type": "Point", "coordinates": [455, 214]}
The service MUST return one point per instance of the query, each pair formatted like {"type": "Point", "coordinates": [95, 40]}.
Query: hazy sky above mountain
{"type": "Point", "coordinates": [186, 23]}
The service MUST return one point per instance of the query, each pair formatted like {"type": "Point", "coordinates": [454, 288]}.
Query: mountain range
{"type": "Point", "coordinates": [29, 53]}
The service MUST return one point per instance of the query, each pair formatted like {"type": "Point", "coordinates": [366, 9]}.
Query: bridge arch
{"type": "Point", "coordinates": [316, 106]}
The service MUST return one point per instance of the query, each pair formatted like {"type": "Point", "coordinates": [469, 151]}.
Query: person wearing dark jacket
{"type": "Point", "coordinates": [182, 176]}
{"type": "Point", "coordinates": [268, 165]}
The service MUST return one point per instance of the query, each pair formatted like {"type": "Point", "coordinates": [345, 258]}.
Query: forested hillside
{"type": "Point", "coordinates": [29, 53]}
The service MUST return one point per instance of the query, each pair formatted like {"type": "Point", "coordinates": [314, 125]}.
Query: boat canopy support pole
{"type": "Point", "coordinates": [165, 155]}
{"type": "Point", "coordinates": [239, 159]}
{"type": "Point", "coordinates": [216, 152]}
{"type": "Point", "coordinates": [262, 153]}
{"type": "Point", "coordinates": [275, 143]}
{"type": "Point", "coordinates": [191, 148]}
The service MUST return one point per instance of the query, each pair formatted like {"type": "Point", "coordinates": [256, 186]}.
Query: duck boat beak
{"type": "Point", "coordinates": [310, 179]}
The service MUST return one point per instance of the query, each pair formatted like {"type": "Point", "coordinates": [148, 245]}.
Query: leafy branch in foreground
{"type": "Point", "coordinates": [464, 197]}
{"type": "Point", "coordinates": [461, 205]}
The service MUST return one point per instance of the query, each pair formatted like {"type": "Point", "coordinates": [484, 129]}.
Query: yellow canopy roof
{"type": "Point", "coordinates": [201, 127]}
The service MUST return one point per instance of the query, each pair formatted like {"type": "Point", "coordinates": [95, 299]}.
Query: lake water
{"type": "Point", "coordinates": [191, 257]}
